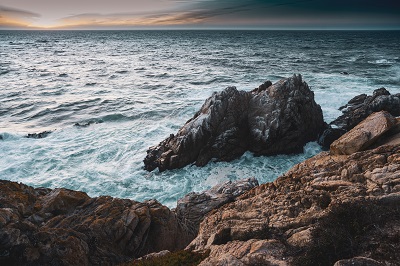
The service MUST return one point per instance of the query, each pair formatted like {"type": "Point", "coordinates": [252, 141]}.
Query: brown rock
{"type": "Point", "coordinates": [65, 227]}
{"type": "Point", "coordinates": [192, 208]}
{"type": "Point", "coordinates": [356, 110]}
{"type": "Point", "coordinates": [364, 134]}
{"type": "Point", "coordinates": [326, 209]}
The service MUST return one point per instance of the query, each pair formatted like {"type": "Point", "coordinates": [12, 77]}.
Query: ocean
{"type": "Point", "coordinates": [128, 90]}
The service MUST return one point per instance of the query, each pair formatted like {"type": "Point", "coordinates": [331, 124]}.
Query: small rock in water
{"type": "Point", "coordinates": [91, 122]}
{"type": "Point", "coordinates": [38, 135]}
{"type": "Point", "coordinates": [344, 73]}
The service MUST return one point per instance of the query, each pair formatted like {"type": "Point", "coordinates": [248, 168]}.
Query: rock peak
{"type": "Point", "coordinates": [271, 119]}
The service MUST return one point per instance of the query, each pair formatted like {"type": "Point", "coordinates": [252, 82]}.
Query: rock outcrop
{"type": "Point", "coordinates": [356, 110]}
{"type": "Point", "coordinates": [364, 134]}
{"type": "Point", "coordinates": [192, 208]}
{"type": "Point", "coordinates": [329, 209]}
{"type": "Point", "coordinates": [64, 227]}
{"type": "Point", "coordinates": [272, 119]}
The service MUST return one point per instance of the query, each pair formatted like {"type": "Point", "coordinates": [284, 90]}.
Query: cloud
{"type": "Point", "coordinates": [16, 18]}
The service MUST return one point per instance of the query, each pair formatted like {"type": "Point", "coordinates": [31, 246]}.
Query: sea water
{"type": "Point", "coordinates": [135, 88]}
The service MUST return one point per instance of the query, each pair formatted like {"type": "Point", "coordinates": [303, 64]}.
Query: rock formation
{"type": "Point", "coordinates": [356, 110]}
{"type": "Point", "coordinates": [64, 227]}
{"type": "Point", "coordinates": [192, 208]}
{"type": "Point", "coordinates": [271, 119]}
{"type": "Point", "coordinates": [330, 209]}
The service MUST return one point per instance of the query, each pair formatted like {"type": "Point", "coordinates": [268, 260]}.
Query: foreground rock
{"type": "Point", "coordinates": [356, 110]}
{"type": "Point", "coordinates": [330, 209]}
{"type": "Point", "coordinates": [272, 119]}
{"type": "Point", "coordinates": [65, 227]}
{"type": "Point", "coordinates": [192, 208]}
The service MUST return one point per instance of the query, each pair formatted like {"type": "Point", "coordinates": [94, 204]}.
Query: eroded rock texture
{"type": "Point", "coordinates": [356, 110]}
{"type": "Point", "coordinates": [328, 209]}
{"type": "Point", "coordinates": [272, 119]}
{"type": "Point", "coordinates": [65, 227]}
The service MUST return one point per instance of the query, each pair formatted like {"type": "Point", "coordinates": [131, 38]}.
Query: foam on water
{"type": "Point", "coordinates": [130, 90]}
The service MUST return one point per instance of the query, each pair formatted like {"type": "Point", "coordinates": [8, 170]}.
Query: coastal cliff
{"type": "Point", "coordinates": [340, 207]}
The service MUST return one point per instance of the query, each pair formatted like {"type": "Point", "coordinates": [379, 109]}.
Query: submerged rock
{"type": "Point", "coordinates": [38, 135]}
{"type": "Point", "coordinates": [272, 119]}
{"type": "Point", "coordinates": [356, 110]}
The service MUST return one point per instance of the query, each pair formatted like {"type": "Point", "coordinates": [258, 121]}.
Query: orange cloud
{"type": "Point", "coordinates": [114, 20]}
{"type": "Point", "coordinates": [16, 18]}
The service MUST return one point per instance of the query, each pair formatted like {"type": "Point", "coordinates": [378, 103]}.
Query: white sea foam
{"type": "Point", "coordinates": [136, 88]}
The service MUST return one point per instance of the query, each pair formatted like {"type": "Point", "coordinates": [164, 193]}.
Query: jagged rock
{"type": "Point", "coordinates": [356, 110]}
{"type": "Point", "coordinates": [271, 119]}
{"type": "Point", "coordinates": [324, 210]}
{"type": "Point", "coordinates": [364, 134]}
{"type": "Point", "coordinates": [192, 208]}
{"type": "Point", "coordinates": [38, 135]}
{"type": "Point", "coordinates": [65, 227]}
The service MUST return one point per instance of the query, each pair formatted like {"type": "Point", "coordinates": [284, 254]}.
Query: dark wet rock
{"type": "Point", "coordinates": [64, 227]}
{"type": "Point", "coordinates": [38, 135]}
{"type": "Point", "coordinates": [272, 119]}
{"type": "Point", "coordinates": [344, 73]}
{"type": "Point", "coordinates": [86, 124]}
{"type": "Point", "coordinates": [356, 110]}
{"type": "Point", "coordinates": [192, 208]}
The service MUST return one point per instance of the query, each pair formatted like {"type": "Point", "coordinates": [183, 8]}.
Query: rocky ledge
{"type": "Point", "coordinates": [272, 119]}
{"type": "Point", "coordinates": [65, 227]}
{"type": "Point", "coordinates": [339, 208]}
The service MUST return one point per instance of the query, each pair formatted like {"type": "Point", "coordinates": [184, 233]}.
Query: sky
{"type": "Point", "coordinates": [199, 14]}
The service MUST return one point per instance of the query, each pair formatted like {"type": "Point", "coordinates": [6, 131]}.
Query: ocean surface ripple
{"type": "Point", "coordinates": [135, 88]}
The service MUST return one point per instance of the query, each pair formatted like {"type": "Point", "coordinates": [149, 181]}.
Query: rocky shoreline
{"type": "Point", "coordinates": [341, 207]}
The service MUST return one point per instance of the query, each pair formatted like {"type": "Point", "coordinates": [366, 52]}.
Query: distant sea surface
{"type": "Point", "coordinates": [135, 88]}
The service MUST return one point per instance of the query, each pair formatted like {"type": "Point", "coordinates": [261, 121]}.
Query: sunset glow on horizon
{"type": "Point", "coordinates": [124, 14]}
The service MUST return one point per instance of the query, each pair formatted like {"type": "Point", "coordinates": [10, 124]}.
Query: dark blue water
{"type": "Point", "coordinates": [140, 86]}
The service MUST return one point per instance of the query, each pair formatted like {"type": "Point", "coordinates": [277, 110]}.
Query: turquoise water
{"type": "Point", "coordinates": [137, 87]}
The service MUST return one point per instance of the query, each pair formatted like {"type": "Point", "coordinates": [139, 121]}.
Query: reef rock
{"type": "Point", "coordinates": [356, 110]}
{"type": "Point", "coordinates": [328, 209]}
{"type": "Point", "coordinates": [272, 119]}
{"type": "Point", "coordinates": [64, 227]}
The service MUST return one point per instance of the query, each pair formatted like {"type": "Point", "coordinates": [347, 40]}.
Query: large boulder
{"type": "Point", "coordinates": [364, 134]}
{"type": "Point", "coordinates": [65, 227]}
{"type": "Point", "coordinates": [329, 209]}
{"type": "Point", "coordinates": [356, 110]}
{"type": "Point", "coordinates": [272, 119]}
